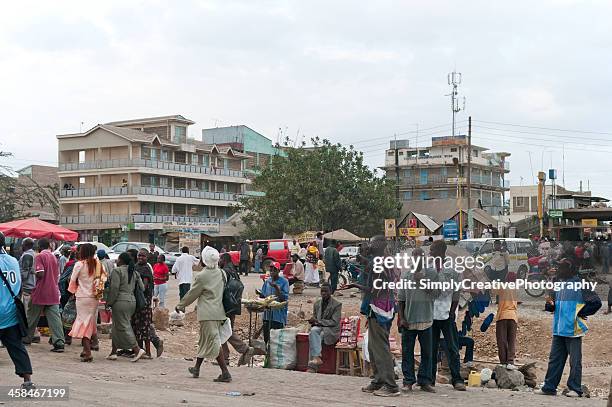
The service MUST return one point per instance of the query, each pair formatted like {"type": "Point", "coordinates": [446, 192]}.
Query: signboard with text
{"type": "Point", "coordinates": [450, 230]}
{"type": "Point", "coordinates": [589, 223]}
{"type": "Point", "coordinates": [555, 213]}
{"type": "Point", "coordinates": [412, 232]}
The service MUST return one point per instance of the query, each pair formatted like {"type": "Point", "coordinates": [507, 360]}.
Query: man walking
{"type": "Point", "coordinates": [444, 318]}
{"type": "Point", "coordinates": [10, 332]}
{"type": "Point", "coordinates": [245, 258]}
{"type": "Point", "coordinates": [325, 326]}
{"type": "Point", "coordinates": [28, 277]}
{"type": "Point", "coordinates": [333, 265]}
{"type": "Point", "coordinates": [416, 307]}
{"type": "Point", "coordinates": [183, 269]}
{"type": "Point", "coordinates": [46, 297]}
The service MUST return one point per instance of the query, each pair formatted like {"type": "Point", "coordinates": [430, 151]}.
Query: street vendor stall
{"type": "Point", "coordinates": [342, 235]}
{"type": "Point", "coordinates": [36, 229]}
{"type": "Point", "coordinates": [255, 307]}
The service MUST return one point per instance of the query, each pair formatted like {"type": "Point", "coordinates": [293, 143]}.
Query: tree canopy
{"type": "Point", "coordinates": [324, 187]}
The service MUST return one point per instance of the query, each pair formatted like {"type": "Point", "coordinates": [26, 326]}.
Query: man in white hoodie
{"type": "Point", "coordinates": [183, 270]}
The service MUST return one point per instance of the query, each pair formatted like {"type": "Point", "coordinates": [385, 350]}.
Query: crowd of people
{"type": "Point", "coordinates": [83, 278]}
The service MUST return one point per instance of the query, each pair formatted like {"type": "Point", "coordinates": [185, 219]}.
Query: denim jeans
{"type": "Point", "coordinates": [560, 348]}
{"type": "Point", "coordinates": [452, 354]}
{"type": "Point", "coordinates": [160, 292]}
{"type": "Point", "coordinates": [314, 341]}
{"type": "Point", "coordinates": [464, 341]}
{"type": "Point", "coordinates": [257, 265]}
{"type": "Point", "coordinates": [183, 289]}
{"type": "Point", "coordinates": [408, 341]}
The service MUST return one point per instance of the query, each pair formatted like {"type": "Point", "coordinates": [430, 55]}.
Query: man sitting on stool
{"type": "Point", "coordinates": [325, 324]}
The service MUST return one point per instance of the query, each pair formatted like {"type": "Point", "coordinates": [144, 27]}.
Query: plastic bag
{"type": "Point", "coordinates": [225, 331]}
{"type": "Point", "coordinates": [177, 318]}
{"type": "Point", "coordinates": [69, 313]}
{"type": "Point", "coordinates": [364, 347]}
{"type": "Point", "coordinates": [283, 353]}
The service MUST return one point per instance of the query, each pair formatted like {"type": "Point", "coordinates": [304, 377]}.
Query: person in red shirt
{"type": "Point", "coordinates": [160, 279]}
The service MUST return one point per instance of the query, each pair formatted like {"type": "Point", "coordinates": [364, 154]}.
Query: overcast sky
{"type": "Point", "coordinates": [350, 71]}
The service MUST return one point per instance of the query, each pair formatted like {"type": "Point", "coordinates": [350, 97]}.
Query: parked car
{"type": "Point", "coordinates": [273, 250]}
{"type": "Point", "coordinates": [349, 252]}
{"type": "Point", "coordinates": [121, 247]}
{"type": "Point", "coordinates": [517, 251]}
{"type": "Point", "coordinates": [99, 245]}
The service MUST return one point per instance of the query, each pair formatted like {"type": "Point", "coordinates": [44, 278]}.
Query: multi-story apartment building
{"type": "Point", "coordinates": [244, 139]}
{"type": "Point", "coordinates": [431, 172]}
{"type": "Point", "coordinates": [143, 179]}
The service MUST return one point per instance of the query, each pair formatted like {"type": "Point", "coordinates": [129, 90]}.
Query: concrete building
{"type": "Point", "coordinates": [143, 179]}
{"type": "Point", "coordinates": [524, 199]}
{"type": "Point", "coordinates": [44, 179]}
{"type": "Point", "coordinates": [426, 173]}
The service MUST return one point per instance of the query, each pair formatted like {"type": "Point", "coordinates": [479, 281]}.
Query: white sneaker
{"type": "Point", "coordinates": [140, 354]}
{"type": "Point", "coordinates": [572, 393]}
{"type": "Point", "coordinates": [510, 366]}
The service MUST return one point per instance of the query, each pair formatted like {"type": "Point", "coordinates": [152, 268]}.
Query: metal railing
{"type": "Point", "coordinates": [137, 218]}
{"type": "Point", "coordinates": [141, 162]}
{"type": "Point", "coordinates": [148, 190]}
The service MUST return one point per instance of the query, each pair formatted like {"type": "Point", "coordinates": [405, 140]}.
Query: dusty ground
{"type": "Point", "coordinates": [165, 381]}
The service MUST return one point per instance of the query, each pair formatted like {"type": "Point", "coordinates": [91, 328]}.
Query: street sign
{"type": "Point", "coordinates": [390, 230]}
{"type": "Point", "coordinates": [555, 213]}
{"type": "Point", "coordinates": [412, 223]}
{"type": "Point", "coordinates": [450, 230]}
{"type": "Point", "coordinates": [589, 223]}
{"type": "Point", "coordinates": [412, 232]}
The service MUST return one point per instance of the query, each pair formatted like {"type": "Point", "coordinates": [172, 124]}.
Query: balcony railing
{"type": "Point", "coordinates": [141, 162]}
{"type": "Point", "coordinates": [147, 190]}
{"type": "Point", "coordinates": [136, 218]}
{"type": "Point", "coordinates": [436, 179]}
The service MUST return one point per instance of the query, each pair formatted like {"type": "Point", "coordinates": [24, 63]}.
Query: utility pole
{"type": "Point", "coordinates": [541, 191]}
{"type": "Point", "coordinates": [397, 176]}
{"type": "Point", "coordinates": [469, 172]}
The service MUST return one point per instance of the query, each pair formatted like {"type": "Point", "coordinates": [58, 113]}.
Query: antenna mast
{"type": "Point", "coordinates": [454, 80]}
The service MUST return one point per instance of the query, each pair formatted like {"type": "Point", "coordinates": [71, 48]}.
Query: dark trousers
{"type": "Point", "coordinates": [463, 342]}
{"type": "Point", "coordinates": [380, 354]}
{"type": "Point", "coordinates": [408, 341]}
{"type": "Point", "coordinates": [560, 349]}
{"type": "Point", "coordinates": [333, 281]}
{"type": "Point", "coordinates": [267, 325]}
{"type": "Point", "coordinates": [505, 332]}
{"type": "Point", "coordinates": [610, 297]}
{"type": "Point", "coordinates": [11, 339]}
{"type": "Point", "coordinates": [183, 289]}
{"type": "Point", "coordinates": [452, 353]}
{"type": "Point", "coordinates": [244, 267]}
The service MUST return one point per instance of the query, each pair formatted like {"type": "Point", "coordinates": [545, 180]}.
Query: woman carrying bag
{"type": "Point", "coordinates": [87, 284]}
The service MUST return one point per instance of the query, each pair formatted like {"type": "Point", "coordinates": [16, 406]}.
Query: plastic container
{"type": "Point", "coordinates": [474, 379]}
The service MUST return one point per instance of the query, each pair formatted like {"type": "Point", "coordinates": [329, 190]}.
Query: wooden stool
{"type": "Point", "coordinates": [353, 356]}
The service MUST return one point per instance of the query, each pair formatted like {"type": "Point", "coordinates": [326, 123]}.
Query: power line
{"type": "Point", "coordinates": [546, 128]}
{"type": "Point", "coordinates": [544, 134]}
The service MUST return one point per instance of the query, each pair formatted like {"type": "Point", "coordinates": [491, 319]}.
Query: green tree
{"type": "Point", "coordinates": [325, 187]}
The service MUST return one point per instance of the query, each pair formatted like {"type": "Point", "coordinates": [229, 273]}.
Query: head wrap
{"type": "Point", "coordinates": [210, 257]}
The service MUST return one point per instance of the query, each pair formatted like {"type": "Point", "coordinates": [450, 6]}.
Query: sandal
{"type": "Point", "coordinates": [112, 356]}
{"type": "Point", "coordinates": [195, 372]}
{"type": "Point", "coordinates": [223, 378]}
{"type": "Point", "coordinates": [87, 358]}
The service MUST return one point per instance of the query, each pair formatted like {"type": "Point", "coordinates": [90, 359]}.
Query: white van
{"type": "Point", "coordinates": [517, 251]}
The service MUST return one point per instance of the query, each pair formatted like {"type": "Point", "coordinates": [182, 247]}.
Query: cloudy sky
{"type": "Point", "coordinates": [350, 71]}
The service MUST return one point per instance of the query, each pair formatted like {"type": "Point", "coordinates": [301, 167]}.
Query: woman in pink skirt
{"type": "Point", "coordinates": [87, 284]}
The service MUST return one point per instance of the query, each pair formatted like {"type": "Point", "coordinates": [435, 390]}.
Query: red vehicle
{"type": "Point", "coordinates": [273, 250]}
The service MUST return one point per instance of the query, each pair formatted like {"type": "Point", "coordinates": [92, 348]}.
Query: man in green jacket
{"type": "Point", "coordinates": [333, 265]}
{"type": "Point", "coordinates": [207, 289]}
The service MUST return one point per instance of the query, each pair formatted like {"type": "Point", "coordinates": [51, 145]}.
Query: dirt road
{"type": "Point", "coordinates": [166, 382]}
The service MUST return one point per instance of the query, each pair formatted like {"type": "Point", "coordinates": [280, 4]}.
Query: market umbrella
{"type": "Point", "coordinates": [36, 229]}
{"type": "Point", "coordinates": [343, 235]}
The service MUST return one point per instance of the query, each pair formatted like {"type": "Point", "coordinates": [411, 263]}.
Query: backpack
{"type": "Point", "coordinates": [232, 293]}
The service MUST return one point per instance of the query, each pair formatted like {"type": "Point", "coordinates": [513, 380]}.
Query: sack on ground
{"type": "Point", "coordinates": [160, 318]}
{"type": "Point", "coordinates": [177, 318]}
{"type": "Point", "coordinates": [283, 354]}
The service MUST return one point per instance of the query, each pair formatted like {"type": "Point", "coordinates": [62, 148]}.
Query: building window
{"type": "Point", "coordinates": [407, 174]}
{"type": "Point", "coordinates": [519, 201]}
{"type": "Point", "coordinates": [424, 176]}
{"type": "Point", "coordinates": [82, 156]}
{"type": "Point", "coordinates": [391, 153]}
{"type": "Point", "coordinates": [444, 172]}
{"type": "Point", "coordinates": [82, 181]}
{"type": "Point", "coordinates": [165, 155]}
{"type": "Point", "coordinates": [408, 196]}
{"type": "Point", "coordinates": [424, 195]}
{"type": "Point", "coordinates": [444, 194]}
{"type": "Point", "coordinates": [453, 149]}
{"type": "Point", "coordinates": [180, 134]}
